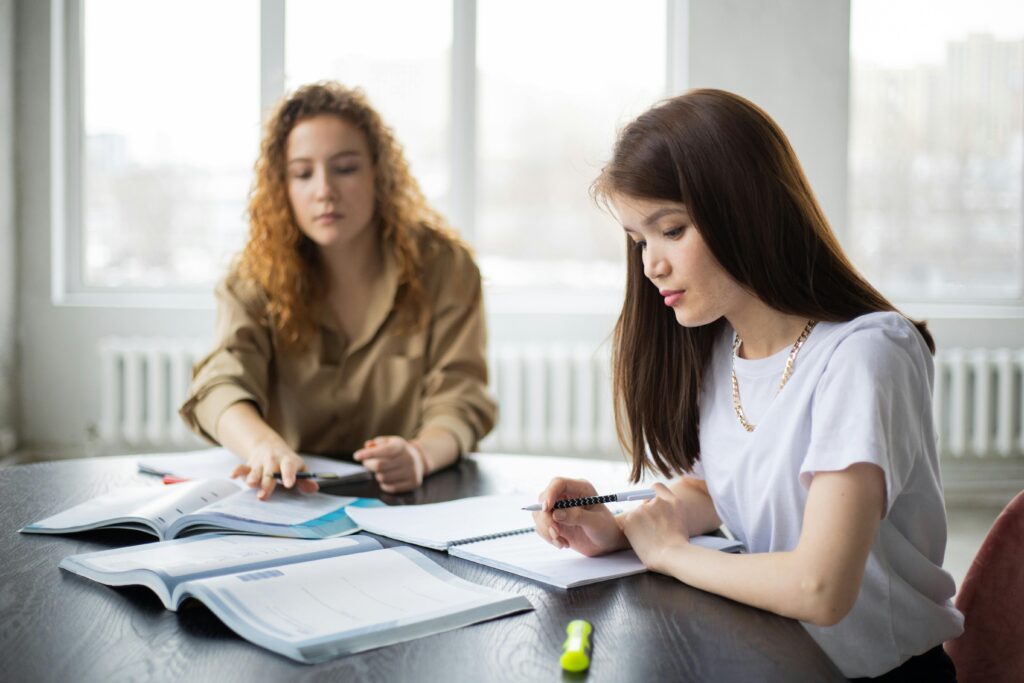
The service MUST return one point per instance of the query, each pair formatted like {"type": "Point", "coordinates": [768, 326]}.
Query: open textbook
{"type": "Point", "coordinates": [208, 505]}
{"type": "Point", "coordinates": [218, 463]}
{"type": "Point", "coordinates": [495, 531]}
{"type": "Point", "coordinates": [307, 600]}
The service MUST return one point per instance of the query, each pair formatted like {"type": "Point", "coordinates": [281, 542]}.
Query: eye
{"type": "Point", "coordinates": [345, 170]}
{"type": "Point", "coordinates": [640, 245]}
{"type": "Point", "coordinates": [302, 175]}
{"type": "Point", "coordinates": [676, 232]}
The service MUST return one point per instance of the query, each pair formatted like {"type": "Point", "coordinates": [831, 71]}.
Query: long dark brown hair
{"type": "Point", "coordinates": [732, 166]}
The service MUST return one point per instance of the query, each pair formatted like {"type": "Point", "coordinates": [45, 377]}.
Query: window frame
{"type": "Point", "coordinates": [67, 284]}
{"type": "Point", "coordinates": [66, 136]}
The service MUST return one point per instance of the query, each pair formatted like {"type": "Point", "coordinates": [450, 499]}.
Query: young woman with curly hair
{"type": "Point", "coordinates": [352, 323]}
{"type": "Point", "coordinates": [752, 357]}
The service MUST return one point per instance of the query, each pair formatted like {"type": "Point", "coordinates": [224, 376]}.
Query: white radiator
{"type": "Point", "coordinates": [979, 402]}
{"type": "Point", "coordinates": [143, 381]}
{"type": "Point", "coordinates": [554, 398]}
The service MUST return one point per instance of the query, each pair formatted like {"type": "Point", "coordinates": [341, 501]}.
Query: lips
{"type": "Point", "coordinates": [672, 296]}
{"type": "Point", "coordinates": [328, 217]}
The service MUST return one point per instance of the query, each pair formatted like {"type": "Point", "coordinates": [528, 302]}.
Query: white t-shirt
{"type": "Point", "coordinates": [860, 391]}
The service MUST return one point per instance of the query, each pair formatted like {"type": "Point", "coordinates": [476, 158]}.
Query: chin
{"type": "Point", "coordinates": [693, 319]}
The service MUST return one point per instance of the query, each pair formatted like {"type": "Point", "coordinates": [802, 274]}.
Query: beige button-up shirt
{"type": "Point", "coordinates": [335, 394]}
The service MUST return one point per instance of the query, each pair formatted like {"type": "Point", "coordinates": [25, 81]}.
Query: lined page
{"type": "Point", "coordinates": [531, 556]}
{"type": "Point", "coordinates": [438, 525]}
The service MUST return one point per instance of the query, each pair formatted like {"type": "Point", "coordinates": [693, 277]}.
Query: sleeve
{"type": "Point", "coordinates": [455, 395]}
{"type": "Point", "coordinates": [871, 405]}
{"type": "Point", "coordinates": [238, 367]}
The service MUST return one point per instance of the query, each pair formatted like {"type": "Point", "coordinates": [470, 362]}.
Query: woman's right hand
{"type": "Point", "coordinates": [590, 529]}
{"type": "Point", "coordinates": [265, 459]}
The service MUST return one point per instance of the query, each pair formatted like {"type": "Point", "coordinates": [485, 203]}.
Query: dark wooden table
{"type": "Point", "coordinates": [56, 626]}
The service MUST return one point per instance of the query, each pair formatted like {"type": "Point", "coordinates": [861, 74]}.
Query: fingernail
{"type": "Point", "coordinates": [554, 535]}
{"type": "Point", "coordinates": [558, 515]}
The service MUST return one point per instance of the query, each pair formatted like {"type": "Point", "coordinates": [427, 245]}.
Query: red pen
{"type": "Point", "coordinates": [168, 479]}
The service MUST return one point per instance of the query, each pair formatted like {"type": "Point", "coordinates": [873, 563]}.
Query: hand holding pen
{"type": "Point", "coordinates": [641, 494]}
{"type": "Point", "coordinates": [586, 527]}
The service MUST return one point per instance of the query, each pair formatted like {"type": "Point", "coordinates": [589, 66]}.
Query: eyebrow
{"type": "Point", "coordinates": [660, 213]}
{"type": "Point", "coordinates": [345, 153]}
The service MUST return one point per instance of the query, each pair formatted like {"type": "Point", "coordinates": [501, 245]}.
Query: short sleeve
{"type": "Point", "coordinates": [871, 405]}
{"type": "Point", "coordinates": [237, 368]}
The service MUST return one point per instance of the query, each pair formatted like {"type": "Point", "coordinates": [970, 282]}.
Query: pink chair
{"type": "Point", "coordinates": [991, 598]}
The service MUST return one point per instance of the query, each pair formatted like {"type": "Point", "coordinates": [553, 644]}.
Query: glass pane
{"type": "Point", "coordinates": [556, 82]}
{"type": "Point", "coordinates": [936, 147]}
{"type": "Point", "coordinates": [399, 53]}
{"type": "Point", "coordinates": [171, 107]}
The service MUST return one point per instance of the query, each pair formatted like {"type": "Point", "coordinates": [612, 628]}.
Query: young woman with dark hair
{"type": "Point", "coordinates": [752, 358]}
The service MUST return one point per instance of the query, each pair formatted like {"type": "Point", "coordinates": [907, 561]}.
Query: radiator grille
{"type": "Point", "coordinates": [554, 398]}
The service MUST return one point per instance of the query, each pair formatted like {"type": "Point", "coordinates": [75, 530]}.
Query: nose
{"type": "Point", "coordinates": [324, 189]}
{"type": "Point", "coordinates": [655, 265]}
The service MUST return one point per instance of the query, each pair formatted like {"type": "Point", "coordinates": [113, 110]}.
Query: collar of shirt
{"type": "Point", "coordinates": [382, 302]}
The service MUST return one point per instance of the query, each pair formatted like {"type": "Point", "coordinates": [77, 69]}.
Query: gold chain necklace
{"type": "Point", "coordinates": [740, 415]}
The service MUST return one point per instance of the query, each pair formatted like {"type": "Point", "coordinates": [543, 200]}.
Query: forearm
{"type": "Point", "coordinates": [781, 582]}
{"type": "Point", "coordinates": [241, 429]}
{"type": "Point", "coordinates": [438, 446]}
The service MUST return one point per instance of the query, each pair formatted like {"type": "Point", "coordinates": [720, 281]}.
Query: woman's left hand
{"type": "Point", "coordinates": [398, 465]}
{"type": "Point", "coordinates": [656, 527]}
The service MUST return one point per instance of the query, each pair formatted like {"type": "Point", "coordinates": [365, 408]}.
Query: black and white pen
{"type": "Point", "coordinates": [642, 494]}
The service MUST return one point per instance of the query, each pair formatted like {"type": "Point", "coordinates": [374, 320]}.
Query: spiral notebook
{"type": "Point", "coordinates": [496, 532]}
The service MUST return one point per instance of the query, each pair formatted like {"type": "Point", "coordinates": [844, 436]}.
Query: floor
{"type": "Point", "coordinates": [967, 529]}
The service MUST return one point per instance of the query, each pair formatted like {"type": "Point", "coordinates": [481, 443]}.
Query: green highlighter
{"type": "Point", "coordinates": [576, 648]}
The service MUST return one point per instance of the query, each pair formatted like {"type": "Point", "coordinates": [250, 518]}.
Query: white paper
{"type": "Point", "coordinates": [159, 504]}
{"type": "Point", "coordinates": [436, 525]}
{"type": "Point", "coordinates": [326, 597]}
{"type": "Point", "coordinates": [120, 503]}
{"type": "Point", "coordinates": [282, 507]}
{"type": "Point", "coordinates": [528, 554]}
{"type": "Point", "coordinates": [207, 553]}
{"type": "Point", "coordinates": [218, 463]}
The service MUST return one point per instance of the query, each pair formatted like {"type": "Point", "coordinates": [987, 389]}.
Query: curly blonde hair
{"type": "Point", "coordinates": [285, 262]}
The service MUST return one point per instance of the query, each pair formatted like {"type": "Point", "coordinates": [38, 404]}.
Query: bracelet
{"type": "Point", "coordinates": [417, 452]}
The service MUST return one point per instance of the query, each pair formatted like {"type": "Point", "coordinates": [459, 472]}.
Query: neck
{"type": "Point", "coordinates": [353, 265]}
{"type": "Point", "coordinates": [764, 330]}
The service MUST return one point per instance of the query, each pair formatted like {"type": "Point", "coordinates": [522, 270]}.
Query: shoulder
{"type": "Point", "coordinates": [242, 294]}
{"type": "Point", "coordinates": [446, 259]}
{"type": "Point", "coordinates": [884, 344]}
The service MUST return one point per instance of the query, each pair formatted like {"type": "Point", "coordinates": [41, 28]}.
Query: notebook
{"type": "Point", "coordinates": [495, 531]}
{"type": "Point", "coordinates": [218, 463]}
{"type": "Point", "coordinates": [208, 505]}
{"type": "Point", "coordinates": [307, 600]}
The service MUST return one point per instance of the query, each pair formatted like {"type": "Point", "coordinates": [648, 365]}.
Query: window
{"type": "Point", "coordinates": [161, 140]}
{"type": "Point", "coordinates": [936, 148]}
{"type": "Point", "coordinates": [170, 135]}
{"type": "Point", "coordinates": [556, 81]}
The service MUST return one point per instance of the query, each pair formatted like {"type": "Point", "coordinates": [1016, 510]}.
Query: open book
{"type": "Point", "coordinates": [208, 505]}
{"type": "Point", "coordinates": [218, 463]}
{"type": "Point", "coordinates": [495, 531]}
{"type": "Point", "coordinates": [307, 600]}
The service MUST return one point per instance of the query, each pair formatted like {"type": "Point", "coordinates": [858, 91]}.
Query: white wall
{"type": "Point", "coordinates": [789, 56]}
{"type": "Point", "coordinates": [7, 230]}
